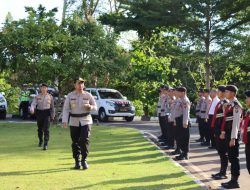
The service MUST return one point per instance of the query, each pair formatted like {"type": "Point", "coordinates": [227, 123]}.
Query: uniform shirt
{"type": "Point", "coordinates": [74, 104]}
{"type": "Point", "coordinates": [246, 128]}
{"type": "Point", "coordinates": [168, 105]}
{"type": "Point", "coordinates": [158, 109]}
{"type": "Point", "coordinates": [237, 110]}
{"type": "Point", "coordinates": [182, 108]}
{"type": "Point", "coordinates": [215, 101]}
{"type": "Point", "coordinates": [205, 105]}
{"type": "Point", "coordinates": [43, 102]}
{"type": "Point", "coordinates": [198, 106]}
{"type": "Point", "coordinates": [163, 102]}
{"type": "Point", "coordinates": [172, 103]}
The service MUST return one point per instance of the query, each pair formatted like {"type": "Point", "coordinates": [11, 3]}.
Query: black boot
{"type": "Point", "coordinates": [85, 165]}
{"type": "Point", "coordinates": [219, 176]}
{"type": "Point", "coordinates": [232, 184]}
{"type": "Point", "coordinates": [45, 146]}
{"type": "Point", "coordinates": [77, 164]}
{"type": "Point", "coordinates": [40, 143]}
{"type": "Point", "coordinates": [176, 152]}
{"type": "Point", "coordinates": [183, 156]}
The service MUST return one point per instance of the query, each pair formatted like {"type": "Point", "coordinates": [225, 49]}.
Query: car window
{"type": "Point", "coordinates": [93, 92]}
{"type": "Point", "coordinates": [32, 91]}
{"type": "Point", "coordinates": [106, 94]}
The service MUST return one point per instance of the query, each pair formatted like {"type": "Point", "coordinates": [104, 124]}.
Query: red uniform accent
{"type": "Point", "coordinates": [227, 110]}
{"type": "Point", "coordinates": [246, 122]}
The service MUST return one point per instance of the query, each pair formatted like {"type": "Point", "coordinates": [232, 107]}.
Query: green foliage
{"type": "Point", "coordinates": [11, 94]}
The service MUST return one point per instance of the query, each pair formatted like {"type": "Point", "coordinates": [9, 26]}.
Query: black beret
{"type": "Point", "coordinates": [165, 87]}
{"type": "Point", "coordinates": [206, 90]}
{"type": "Point", "coordinates": [222, 88]}
{"type": "Point", "coordinates": [247, 93]}
{"type": "Point", "coordinates": [43, 84]}
{"type": "Point", "coordinates": [79, 79]}
{"type": "Point", "coordinates": [231, 88]}
{"type": "Point", "coordinates": [201, 90]}
{"type": "Point", "coordinates": [181, 89]}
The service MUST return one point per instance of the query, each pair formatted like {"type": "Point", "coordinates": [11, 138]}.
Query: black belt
{"type": "Point", "coordinates": [203, 111]}
{"type": "Point", "coordinates": [197, 111]}
{"type": "Point", "coordinates": [43, 110]}
{"type": "Point", "coordinates": [79, 115]}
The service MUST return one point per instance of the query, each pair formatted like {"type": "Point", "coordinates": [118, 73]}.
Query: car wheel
{"type": "Point", "coordinates": [102, 115]}
{"type": "Point", "coordinates": [3, 114]}
{"type": "Point", "coordinates": [129, 119]}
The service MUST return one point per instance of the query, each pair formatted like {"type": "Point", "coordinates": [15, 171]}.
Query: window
{"type": "Point", "coordinates": [106, 94]}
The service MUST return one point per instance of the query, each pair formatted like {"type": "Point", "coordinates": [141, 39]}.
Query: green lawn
{"type": "Point", "coordinates": [120, 159]}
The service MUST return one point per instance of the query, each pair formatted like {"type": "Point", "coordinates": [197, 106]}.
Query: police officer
{"type": "Point", "coordinates": [182, 122]}
{"type": "Point", "coordinates": [43, 105]}
{"type": "Point", "coordinates": [246, 133]}
{"type": "Point", "coordinates": [162, 113]}
{"type": "Point", "coordinates": [197, 113]}
{"type": "Point", "coordinates": [76, 113]}
{"type": "Point", "coordinates": [230, 132]}
{"type": "Point", "coordinates": [216, 124]}
{"type": "Point", "coordinates": [24, 102]}
{"type": "Point", "coordinates": [205, 106]}
{"type": "Point", "coordinates": [171, 128]}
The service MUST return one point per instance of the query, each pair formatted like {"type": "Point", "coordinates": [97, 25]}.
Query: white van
{"type": "Point", "coordinates": [3, 106]}
{"type": "Point", "coordinates": [111, 103]}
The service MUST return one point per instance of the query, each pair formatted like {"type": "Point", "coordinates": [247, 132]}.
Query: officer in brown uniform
{"type": "Point", "coordinates": [182, 122]}
{"type": "Point", "coordinates": [216, 124]}
{"type": "Point", "coordinates": [246, 131]}
{"type": "Point", "coordinates": [230, 132]}
{"type": "Point", "coordinates": [43, 106]}
{"type": "Point", "coordinates": [76, 113]}
{"type": "Point", "coordinates": [205, 106]}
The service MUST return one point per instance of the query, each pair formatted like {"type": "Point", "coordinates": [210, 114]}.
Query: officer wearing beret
{"type": "Point", "coordinates": [216, 124]}
{"type": "Point", "coordinates": [204, 110]}
{"type": "Point", "coordinates": [197, 113]}
{"type": "Point", "coordinates": [43, 105]}
{"type": "Point", "coordinates": [246, 132]}
{"type": "Point", "coordinates": [76, 113]}
{"type": "Point", "coordinates": [230, 132]}
{"type": "Point", "coordinates": [182, 122]}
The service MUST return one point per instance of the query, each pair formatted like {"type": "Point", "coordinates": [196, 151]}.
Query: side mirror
{"type": "Point", "coordinates": [96, 98]}
{"type": "Point", "coordinates": [2, 93]}
{"type": "Point", "coordinates": [125, 97]}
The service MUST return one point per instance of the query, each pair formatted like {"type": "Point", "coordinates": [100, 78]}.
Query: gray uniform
{"type": "Point", "coordinates": [181, 115]}
{"type": "Point", "coordinates": [198, 106]}
{"type": "Point", "coordinates": [204, 109]}
{"type": "Point", "coordinates": [45, 110]}
{"type": "Point", "coordinates": [79, 121]}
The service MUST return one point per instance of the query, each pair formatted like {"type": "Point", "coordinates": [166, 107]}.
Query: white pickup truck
{"type": "Point", "coordinates": [111, 103]}
{"type": "Point", "coordinates": [3, 106]}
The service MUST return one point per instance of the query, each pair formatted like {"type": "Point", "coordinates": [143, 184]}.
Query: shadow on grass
{"type": "Point", "coordinates": [34, 172]}
{"type": "Point", "coordinates": [155, 178]}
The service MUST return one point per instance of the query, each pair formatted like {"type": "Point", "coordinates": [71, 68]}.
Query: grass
{"type": "Point", "coordinates": [120, 159]}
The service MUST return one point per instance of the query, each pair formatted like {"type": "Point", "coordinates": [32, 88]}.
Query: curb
{"type": "Point", "coordinates": [212, 184]}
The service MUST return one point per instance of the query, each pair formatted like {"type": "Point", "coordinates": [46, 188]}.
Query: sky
{"type": "Point", "coordinates": [16, 7]}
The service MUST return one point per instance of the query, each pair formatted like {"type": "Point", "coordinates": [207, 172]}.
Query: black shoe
{"type": "Point", "coordinates": [45, 147]}
{"type": "Point", "coordinates": [205, 144]}
{"type": "Point", "coordinates": [211, 147]}
{"type": "Point", "coordinates": [219, 176]}
{"type": "Point", "coordinates": [160, 137]}
{"type": "Point", "coordinates": [231, 185]}
{"type": "Point", "coordinates": [169, 147]}
{"type": "Point", "coordinates": [40, 143]}
{"type": "Point", "coordinates": [77, 164]}
{"type": "Point", "coordinates": [85, 165]}
{"type": "Point", "coordinates": [182, 157]}
{"type": "Point", "coordinates": [199, 140]}
{"type": "Point", "coordinates": [176, 152]}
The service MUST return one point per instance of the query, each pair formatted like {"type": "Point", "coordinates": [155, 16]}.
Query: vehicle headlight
{"type": "Point", "coordinates": [111, 104]}
{"type": "Point", "coordinates": [2, 100]}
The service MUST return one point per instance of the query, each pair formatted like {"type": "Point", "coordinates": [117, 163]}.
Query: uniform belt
{"type": "Point", "coordinates": [203, 111]}
{"type": "Point", "coordinates": [197, 111]}
{"type": "Point", "coordinates": [230, 118]}
{"type": "Point", "coordinates": [43, 110]}
{"type": "Point", "coordinates": [219, 115]}
{"type": "Point", "coordinates": [79, 115]}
